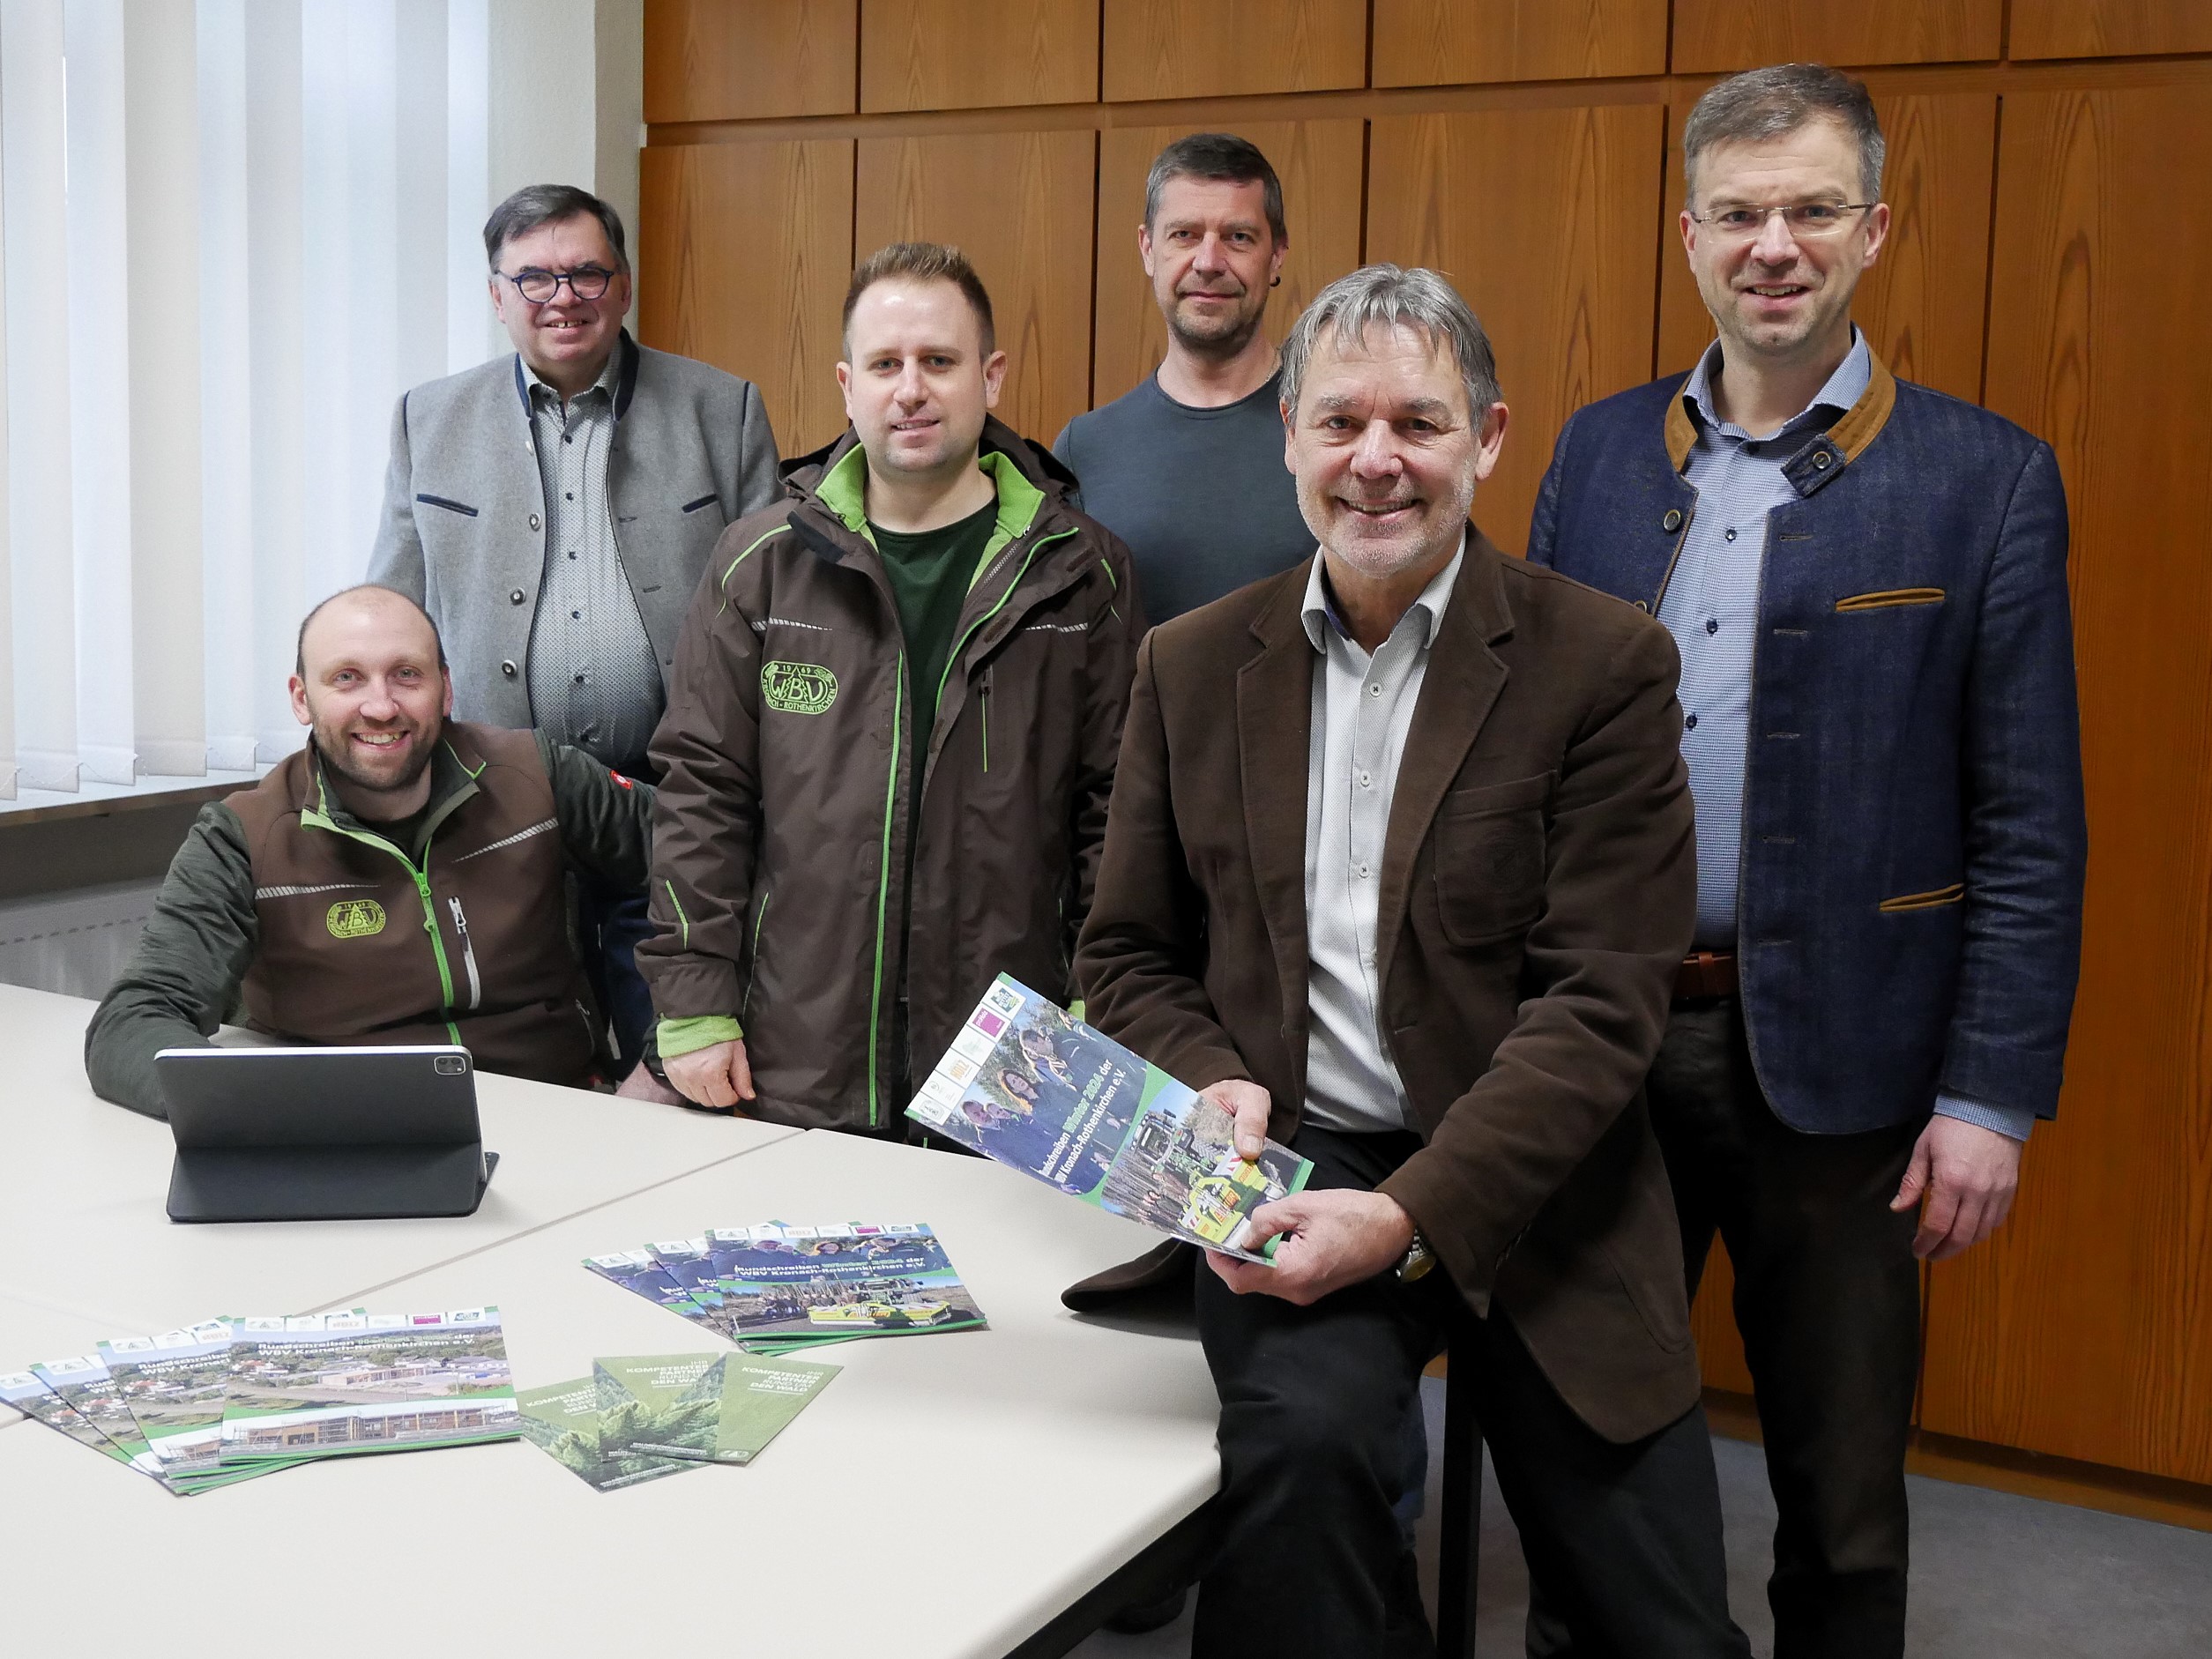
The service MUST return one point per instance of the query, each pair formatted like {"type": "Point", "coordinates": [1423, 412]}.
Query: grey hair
{"type": "Point", "coordinates": [1765, 103]}
{"type": "Point", "coordinates": [1392, 296]}
{"type": "Point", "coordinates": [536, 204]}
{"type": "Point", "coordinates": [1224, 159]}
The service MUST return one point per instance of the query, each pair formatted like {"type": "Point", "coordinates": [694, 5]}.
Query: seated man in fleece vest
{"type": "Point", "coordinates": [399, 879]}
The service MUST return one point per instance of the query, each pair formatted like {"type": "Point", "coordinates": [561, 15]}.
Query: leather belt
{"type": "Point", "coordinates": [1706, 973]}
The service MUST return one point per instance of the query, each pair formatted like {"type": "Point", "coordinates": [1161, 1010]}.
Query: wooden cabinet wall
{"type": "Point", "coordinates": [1528, 148]}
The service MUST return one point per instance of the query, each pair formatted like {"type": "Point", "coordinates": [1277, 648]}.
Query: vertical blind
{"type": "Point", "coordinates": [231, 233]}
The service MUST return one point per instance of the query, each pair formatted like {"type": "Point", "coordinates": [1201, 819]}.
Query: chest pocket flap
{"type": "Point", "coordinates": [1490, 858]}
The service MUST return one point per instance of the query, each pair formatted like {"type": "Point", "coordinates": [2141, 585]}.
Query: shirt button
{"type": "Point", "coordinates": [1374, 691]}
{"type": "Point", "coordinates": [533, 521]}
{"type": "Point", "coordinates": [1363, 872]}
{"type": "Point", "coordinates": [572, 555]}
{"type": "Point", "coordinates": [515, 597]}
{"type": "Point", "coordinates": [1712, 625]}
{"type": "Point", "coordinates": [1689, 724]}
{"type": "Point", "coordinates": [578, 615]}
{"type": "Point", "coordinates": [1365, 782]}
{"type": "Point", "coordinates": [508, 669]}
{"type": "Point", "coordinates": [1731, 535]}
{"type": "Point", "coordinates": [568, 495]}
{"type": "Point", "coordinates": [568, 437]}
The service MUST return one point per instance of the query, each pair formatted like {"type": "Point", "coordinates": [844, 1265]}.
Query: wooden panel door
{"type": "Point", "coordinates": [978, 54]}
{"type": "Point", "coordinates": [707, 60]}
{"type": "Point", "coordinates": [2085, 1327]}
{"type": "Point", "coordinates": [2108, 28]}
{"type": "Point", "coordinates": [1207, 48]}
{"type": "Point", "coordinates": [1732, 35]}
{"type": "Point", "coordinates": [746, 249]}
{"type": "Point", "coordinates": [1546, 220]}
{"type": "Point", "coordinates": [1019, 206]}
{"type": "Point", "coordinates": [1920, 305]}
{"type": "Point", "coordinates": [1319, 163]}
{"type": "Point", "coordinates": [1444, 42]}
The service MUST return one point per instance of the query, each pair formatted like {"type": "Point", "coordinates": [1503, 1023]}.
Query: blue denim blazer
{"type": "Point", "coordinates": [1909, 912]}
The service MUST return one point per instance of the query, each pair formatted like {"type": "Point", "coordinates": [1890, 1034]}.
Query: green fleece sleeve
{"type": "Point", "coordinates": [184, 978]}
{"type": "Point", "coordinates": [606, 818]}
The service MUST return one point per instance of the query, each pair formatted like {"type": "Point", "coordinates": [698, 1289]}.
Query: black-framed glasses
{"type": "Point", "coordinates": [1809, 221]}
{"type": "Point", "coordinates": [585, 282]}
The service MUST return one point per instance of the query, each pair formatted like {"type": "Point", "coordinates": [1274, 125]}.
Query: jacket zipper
{"type": "Point", "coordinates": [468, 954]}
{"type": "Point", "coordinates": [883, 888]}
{"type": "Point", "coordinates": [752, 962]}
{"type": "Point", "coordinates": [986, 702]}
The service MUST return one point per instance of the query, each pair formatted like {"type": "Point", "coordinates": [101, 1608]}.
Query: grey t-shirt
{"type": "Point", "coordinates": [1201, 495]}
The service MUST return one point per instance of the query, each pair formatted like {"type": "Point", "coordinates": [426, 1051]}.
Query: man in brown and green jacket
{"type": "Point", "coordinates": [890, 733]}
{"type": "Point", "coordinates": [399, 879]}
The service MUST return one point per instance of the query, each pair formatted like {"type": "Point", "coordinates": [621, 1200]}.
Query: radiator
{"type": "Point", "coordinates": [74, 942]}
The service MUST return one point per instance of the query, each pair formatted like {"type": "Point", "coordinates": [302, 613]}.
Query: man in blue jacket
{"type": "Point", "coordinates": [1867, 584]}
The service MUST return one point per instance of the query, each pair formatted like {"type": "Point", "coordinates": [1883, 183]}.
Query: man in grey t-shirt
{"type": "Point", "coordinates": [1187, 469]}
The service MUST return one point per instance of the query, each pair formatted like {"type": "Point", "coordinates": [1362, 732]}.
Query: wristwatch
{"type": "Point", "coordinates": [1419, 1259]}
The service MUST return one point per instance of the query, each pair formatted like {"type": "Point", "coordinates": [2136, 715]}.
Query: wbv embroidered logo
{"type": "Point", "coordinates": [355, 918]}
{"type": "Point", "coordinates": [798, 687]}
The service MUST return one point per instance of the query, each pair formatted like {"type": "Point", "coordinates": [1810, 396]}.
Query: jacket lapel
{"type": "Point", "coordinates": [1458, 689]}
{"type": "Point", "coordinates": [1275, 692]}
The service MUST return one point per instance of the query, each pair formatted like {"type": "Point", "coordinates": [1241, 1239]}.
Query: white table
{"type": "Point", "coordinates": [83, 1185]}
{"type": "Point", "coordinates": [945, 1495]}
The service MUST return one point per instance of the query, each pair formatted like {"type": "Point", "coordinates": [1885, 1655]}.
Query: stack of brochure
{"type": "Point", "coordinates": [231, 1398]}
{"type": "Point", "coordinates": [1029, 1086]}
{"type": "Point", "coordinates": [778, 1289]}
{"type": "Point", "coordinates": [638, 1418]}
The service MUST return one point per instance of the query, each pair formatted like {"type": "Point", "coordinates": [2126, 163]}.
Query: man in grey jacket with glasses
{"type": "Point", "coordinates": [552, 511]}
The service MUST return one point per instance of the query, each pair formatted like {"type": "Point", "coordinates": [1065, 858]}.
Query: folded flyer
{"type": "Point", "coordinates": [24, 1392]}
{"type": "Point", "coordinates": [335, 1385]}
{"type": "Point", "coordinates": [707, 1408]}
{"type": "Point", "coordinates": [755, 1397]}
{"type": "Point", "coordinates": [1026, 1084]}
{"type": "Point", "coordinates": [652, 1403]}
{"type": "Point", "coordinates": [562, 1420]}
{"type": "Point", "coordinates": [174, 1385]}
{"type": "Point", "coordinates": [785, 1288]}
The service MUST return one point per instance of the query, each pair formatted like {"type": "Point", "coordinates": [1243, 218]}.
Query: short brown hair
{"type": "Point", "coordinates": [1765, 103]}
{"type": "Point", "coordinates": [922, 261]}
{"type": "Point", "coordinates": [1221, 158]}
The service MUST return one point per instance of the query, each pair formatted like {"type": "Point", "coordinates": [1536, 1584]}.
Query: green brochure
{"type": "Point", "coordinates": [754, 1398]}
{"type": "Point", "coordinates": [562, 1420]}
{"type": "Point", "coordinates": [650, 1403]}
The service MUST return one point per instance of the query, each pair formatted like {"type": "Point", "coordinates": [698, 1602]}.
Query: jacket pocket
{"type": "Point", "coordinates": [462, 508]}
{"type": "Point", "coordinates": [1489, 859]}
{"type": "Point", "coordinates": [1888, 599]}
{"type": "Point", "coordinates": [704, 501]}
{"type": "Point", "coordinates": [1935, 898]}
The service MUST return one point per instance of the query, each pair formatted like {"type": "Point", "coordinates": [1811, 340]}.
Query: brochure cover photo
{"type": "Point", "coordinates": [1028, 1085]}
{"type": "Point", "coordinates": [562, 1420]}
{"type": "Point", "coordinates": [331, 1385]}
{"type": "Point", "coordinates": [783, 1287]}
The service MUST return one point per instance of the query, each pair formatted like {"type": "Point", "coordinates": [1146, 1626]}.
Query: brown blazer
{"type": "Point", "coordinates": [1538, 889]}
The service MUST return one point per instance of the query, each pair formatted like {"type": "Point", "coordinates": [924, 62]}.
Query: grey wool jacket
{"type": "Point", "coordinates": [463, 529]}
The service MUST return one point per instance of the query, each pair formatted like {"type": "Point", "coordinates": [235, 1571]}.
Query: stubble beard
{"type": "Point", "coordinates": [1222, 339]}
{"type": "Point", "coordinates": [337, 754]}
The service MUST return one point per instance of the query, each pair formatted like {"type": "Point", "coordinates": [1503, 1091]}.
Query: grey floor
{"type": "Point", "coordinates": [1993, 1576]}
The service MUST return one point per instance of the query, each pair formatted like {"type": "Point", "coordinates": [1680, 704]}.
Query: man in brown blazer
{"type": "Point", "coordinates": [1398, 869]}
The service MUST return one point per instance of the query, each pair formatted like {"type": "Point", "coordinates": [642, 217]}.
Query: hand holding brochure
{"type": "Point", "coordinates": [1032, 1087]}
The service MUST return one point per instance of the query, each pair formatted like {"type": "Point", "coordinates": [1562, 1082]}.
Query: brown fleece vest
{"type": "Point", "coordinates": [358, 946]}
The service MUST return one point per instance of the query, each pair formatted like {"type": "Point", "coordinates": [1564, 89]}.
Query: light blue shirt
{"type": "Point", "coordinates": [1711, 607]}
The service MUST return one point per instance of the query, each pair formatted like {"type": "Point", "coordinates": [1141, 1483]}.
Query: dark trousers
{"type": "Point", "coordinates": [1312, 1558]}
{"type": "Point", "coordinates": [613, 925]}
{"type": "Point", "coordinates": [1828, 1298]}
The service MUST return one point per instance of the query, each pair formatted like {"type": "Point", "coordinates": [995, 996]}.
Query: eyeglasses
{"type": "Point", "coordinates": [586, 282]}
{"type": "Point", "coordinates": [1808, 221]}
